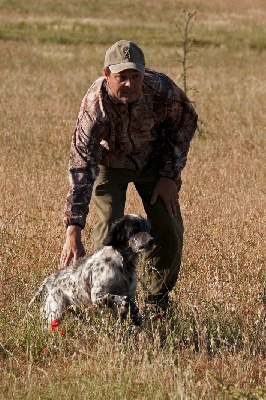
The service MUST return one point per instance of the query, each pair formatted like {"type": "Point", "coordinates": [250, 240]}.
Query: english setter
{"type": "Point", "coordinates": [108, 277]}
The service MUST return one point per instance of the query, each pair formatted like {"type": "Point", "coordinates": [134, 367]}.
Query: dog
{"type": "Point", "coordinates": [106, 278]}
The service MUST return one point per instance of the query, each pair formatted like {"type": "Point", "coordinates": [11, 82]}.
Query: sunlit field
{"type": "Point", "coordinates": [211, 345]}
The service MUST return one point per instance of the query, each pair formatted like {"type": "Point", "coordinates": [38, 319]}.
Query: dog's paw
{"type": "Point", "coordinates": [125, 303]}
{"type": "Point", "coordinates": [124, 308]}
{"type": "Point", "coordinates": [137, 319]}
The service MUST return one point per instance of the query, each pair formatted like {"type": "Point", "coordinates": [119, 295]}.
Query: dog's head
{"type": "Point", "coordinates": [130, 231]}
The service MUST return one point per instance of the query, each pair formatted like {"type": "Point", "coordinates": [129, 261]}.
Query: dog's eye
{"type": "Point", "coordinates": [136, 227]}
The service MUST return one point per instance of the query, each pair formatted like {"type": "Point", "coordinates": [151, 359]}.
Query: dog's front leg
{"type": "Point", "coordinates": [135, 314]}
{"type": "Point", "coordinates": [121, 305]}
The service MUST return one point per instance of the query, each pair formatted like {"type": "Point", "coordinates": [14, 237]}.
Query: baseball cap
{"type": "Point", "coordinates": [124, 55]}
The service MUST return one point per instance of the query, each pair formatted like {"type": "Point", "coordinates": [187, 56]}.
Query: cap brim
{"type": "Point", "coordinates": [115, 68]}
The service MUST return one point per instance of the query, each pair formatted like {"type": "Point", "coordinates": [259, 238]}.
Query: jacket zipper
{"type": "Point", "coordinates": [130, 138]}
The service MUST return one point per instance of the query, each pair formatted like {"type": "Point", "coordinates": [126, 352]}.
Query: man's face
{"type": "Point", "coordinates": [125, 85]}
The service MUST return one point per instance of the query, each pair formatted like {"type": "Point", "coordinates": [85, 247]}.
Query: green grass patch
{"type": "Point", "coordinates": [73, 32]}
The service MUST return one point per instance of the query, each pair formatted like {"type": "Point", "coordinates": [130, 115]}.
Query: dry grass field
{"type": "Point", "coordinates": [212, 345]}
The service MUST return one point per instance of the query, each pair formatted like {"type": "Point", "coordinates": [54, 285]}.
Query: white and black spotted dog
{"type": "Point", "coordinates": [108, 277]}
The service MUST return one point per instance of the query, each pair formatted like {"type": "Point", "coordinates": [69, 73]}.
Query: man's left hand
{"type": "Point", "coordinates": [167, 189]}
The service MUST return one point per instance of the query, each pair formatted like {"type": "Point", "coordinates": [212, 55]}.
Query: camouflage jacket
{"type": "Point", "coordinates": [161, 121]}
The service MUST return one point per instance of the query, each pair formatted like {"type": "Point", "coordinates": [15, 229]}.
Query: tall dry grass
{"type": "Point", "coordinates": [212, 345]}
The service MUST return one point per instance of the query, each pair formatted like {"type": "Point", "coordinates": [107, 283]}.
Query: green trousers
{"type": "Point", "coordinates": [159, 270]}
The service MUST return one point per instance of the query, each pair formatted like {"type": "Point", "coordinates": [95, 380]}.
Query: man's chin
{"type": "Point", "coordinates": [128, 98]}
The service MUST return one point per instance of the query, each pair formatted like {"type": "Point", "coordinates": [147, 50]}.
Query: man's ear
{"type": "Point", "coordinates": [106, 72]}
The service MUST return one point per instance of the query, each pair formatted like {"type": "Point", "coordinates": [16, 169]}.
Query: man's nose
{"type": "Point", "coordinates": [129, 82]}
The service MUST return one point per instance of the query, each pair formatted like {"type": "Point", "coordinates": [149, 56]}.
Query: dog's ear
{"type": "Point", "coordinates": [117, 235]}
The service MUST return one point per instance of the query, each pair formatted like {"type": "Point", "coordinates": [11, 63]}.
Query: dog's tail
{"type": "Point", "coordinates": [37, 295]}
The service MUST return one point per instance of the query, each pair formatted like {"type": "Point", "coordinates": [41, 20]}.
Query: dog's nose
{"type": "Point", "coordinates": [151, 242]}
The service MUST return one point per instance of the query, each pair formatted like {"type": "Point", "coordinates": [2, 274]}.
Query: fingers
{"type": "Point", "coordinates": [174, 204]}
{"type": "Point", "coordinates": [65, 259]}
{"type": "Point", "coordinates": [171, 202]}
{"type": "Point", "coordinates": [77, 254]}
{"type": "Point", "coordinates": [153, 198]}
{"type": "Point", "coordinates": [68, 254]}
{"type": "Point", "coordinates": [171, 206]}
{"type": "Point", "coordinates": [73, 247]}
{"type": "Point", "coordinates": [167, 189]}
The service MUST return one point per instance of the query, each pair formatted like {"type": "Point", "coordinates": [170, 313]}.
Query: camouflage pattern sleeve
{"type": "Point", "coordinates": [179, 127]}
{"type": "Point", "coordinates": [85, 154]}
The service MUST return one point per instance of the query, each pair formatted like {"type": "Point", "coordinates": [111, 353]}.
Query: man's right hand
{"type": "Point", "coordinates": [73, 247]}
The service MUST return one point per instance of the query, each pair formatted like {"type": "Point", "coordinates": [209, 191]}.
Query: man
{"type": "Point", "coordinates": [134, 125]}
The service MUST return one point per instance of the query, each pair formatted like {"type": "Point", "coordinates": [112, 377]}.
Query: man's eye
{"type": "Point", "coordinates": [120, 78]}
{"type": "Point", "coordinates": [124, 78]}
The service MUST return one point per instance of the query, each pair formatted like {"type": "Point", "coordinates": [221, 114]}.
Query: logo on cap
{"type": "Point", "coordinates": [126, 52]}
